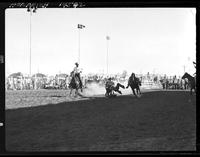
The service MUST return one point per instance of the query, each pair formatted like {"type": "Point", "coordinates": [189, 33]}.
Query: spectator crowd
{"type": "Point", "coordinates": [61, 81]}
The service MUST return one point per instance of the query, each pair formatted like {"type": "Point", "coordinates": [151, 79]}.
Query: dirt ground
{"type": "Point", "coordinates": [30, 98]}
{"type": "Point", "coordinates": [157, 121]}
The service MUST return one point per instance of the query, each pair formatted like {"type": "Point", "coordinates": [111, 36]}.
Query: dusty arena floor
{"type": "Point", "coordinates": [157, 121]}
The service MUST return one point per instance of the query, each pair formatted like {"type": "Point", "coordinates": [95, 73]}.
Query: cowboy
{"type": "Point", "coordinates": [76, 73]}
{"type": "Point", "coordinates": [110, 87]}
{"type": "Point", "coordinates": [110, 84]}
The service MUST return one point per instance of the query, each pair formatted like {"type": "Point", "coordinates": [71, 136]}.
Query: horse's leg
{"type": "Point", "coordinates": [133, 91]}
{"type": "Point", "coordinates": [138, 90]}
{"type": "Point", "coordinates": [80, 84]}
{"type": "Point", "coordinates": [70, 92]}
{"type": "Point", "coordinates": [76, 92]}
{"type": "Point", "coordinates": [107, 92]}
{"type": "Point", "coordinates": [79, 94]}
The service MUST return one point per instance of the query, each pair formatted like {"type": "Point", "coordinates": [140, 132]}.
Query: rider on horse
{"type": "Point", "coordinates": [76, 73]}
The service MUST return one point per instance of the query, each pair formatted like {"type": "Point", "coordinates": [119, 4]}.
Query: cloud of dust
{"type": "Point", "coordinates": [94, 89]}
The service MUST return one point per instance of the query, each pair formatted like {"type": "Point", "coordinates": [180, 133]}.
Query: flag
{"type": "Point", "coordinates": [107, 37]}
{"type": "Point", "coordinates": [81, 26]}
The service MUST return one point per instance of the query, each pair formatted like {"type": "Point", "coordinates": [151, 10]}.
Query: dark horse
{"type": "Point", "coordinates": [191, 81]}
{"type": "Point", "coordinates": [134, 84]}
{"type": "Point", "coordinates": [75, 84]}
{"type": "Point", "coordinates": [110, 90]}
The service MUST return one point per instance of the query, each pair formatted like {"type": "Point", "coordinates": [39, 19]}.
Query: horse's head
{"type": "Point", "coordinates": [186, 75]}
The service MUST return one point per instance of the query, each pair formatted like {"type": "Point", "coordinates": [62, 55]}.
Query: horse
{"type": "Point", "coordinates": [110, 90]}
{"type": "Point", "coordinates": [134, 84]}
{"type": "Point", "coordinates": [191, 81]}
{"type": "Point", "coordinates": [75, 84]}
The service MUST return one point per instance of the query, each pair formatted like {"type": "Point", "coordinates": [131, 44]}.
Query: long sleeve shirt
{"type": "Point", "coordinates": [76, 70]}
{"type": "Point", "coordinates": [109, 84]}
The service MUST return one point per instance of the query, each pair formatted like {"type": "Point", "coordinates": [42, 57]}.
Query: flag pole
{"type": "Point", "coordinates": [79, 45]}
{"type": "Point", "coordinates": [107, 38]}
{"type": "Point", "coordinates": [107, 58]}
{"type": "Point", "coordinates": [30, 45]}
{"type": "Point", "coordinates": [80, 26]}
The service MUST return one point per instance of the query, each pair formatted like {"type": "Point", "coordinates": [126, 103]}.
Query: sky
{"type": "Point", "coordinates": [155, 40]}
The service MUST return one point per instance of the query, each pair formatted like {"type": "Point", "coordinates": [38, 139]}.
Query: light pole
{"type": "Point", "coordinates": [31, 9]}
{"type": "Point", "coordinates": [107, 38]}
{"type": "Point", "coordinates": [80, 26]}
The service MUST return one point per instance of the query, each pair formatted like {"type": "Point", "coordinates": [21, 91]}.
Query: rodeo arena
{"type": "Point", "coordinates": [160, 117]}
{"type": "Point", "coordinates": [126, 111]}
{"type": "Point", "coordinates": [92, 85]}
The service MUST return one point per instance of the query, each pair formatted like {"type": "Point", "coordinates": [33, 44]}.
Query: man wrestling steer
{"type": "Point", "coordinates": [110, 88]}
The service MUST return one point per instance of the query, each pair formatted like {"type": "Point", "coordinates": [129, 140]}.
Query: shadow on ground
{"type": "Point", "coordinates": [158, 121]}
